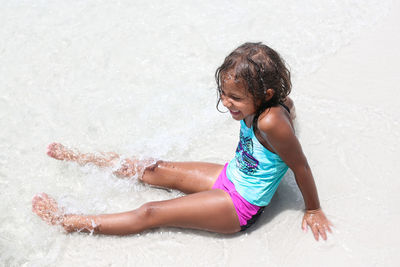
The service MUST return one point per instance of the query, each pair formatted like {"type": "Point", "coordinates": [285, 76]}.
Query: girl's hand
{"type": "Point", "coordinates": [318, 223]}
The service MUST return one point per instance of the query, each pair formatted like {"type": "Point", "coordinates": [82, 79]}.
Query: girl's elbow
{"type": "Point", "coordinates": [301, 169]}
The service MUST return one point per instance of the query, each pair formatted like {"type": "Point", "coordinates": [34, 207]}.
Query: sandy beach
{"type": "Point", "coordinates": [359, 85]}
{"type": "Point", "coordinates": [99, 76]}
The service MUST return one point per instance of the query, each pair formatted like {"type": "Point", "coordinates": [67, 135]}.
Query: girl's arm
{"type": "Point", "coordinates": [277, 130]}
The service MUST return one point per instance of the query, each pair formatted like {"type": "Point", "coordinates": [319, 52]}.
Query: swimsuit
{"type": "Point", "coordinates": [251, 177]}
{"type": "Point", "coordinates": [247, 212]}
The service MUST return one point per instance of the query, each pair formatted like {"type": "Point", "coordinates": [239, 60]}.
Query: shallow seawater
{"type": "Point", "coordinates": [137, 78]}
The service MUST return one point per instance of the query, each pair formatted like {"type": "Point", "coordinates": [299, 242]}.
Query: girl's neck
{"type": "Point", "coordinates": [249, 120]}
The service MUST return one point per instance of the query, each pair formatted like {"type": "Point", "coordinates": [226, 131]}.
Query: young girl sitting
{"type": "Point", "coordinates": [253, 84]}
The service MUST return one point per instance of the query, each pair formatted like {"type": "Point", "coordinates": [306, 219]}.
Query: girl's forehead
{"type": "Point", "coordinates": [230, 76]}
{"type": "Point", "coordinates": [234, 85]}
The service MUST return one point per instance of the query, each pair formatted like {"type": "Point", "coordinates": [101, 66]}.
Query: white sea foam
{"type": "Point", "coordinates": [136, 77]}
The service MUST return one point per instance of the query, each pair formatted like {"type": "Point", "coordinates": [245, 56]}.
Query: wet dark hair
{"type": "Point", "coordinates": [260, 68]}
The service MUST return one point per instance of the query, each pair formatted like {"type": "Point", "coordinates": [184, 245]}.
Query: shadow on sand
{"type": "Point", "coordinates": [287, 197]}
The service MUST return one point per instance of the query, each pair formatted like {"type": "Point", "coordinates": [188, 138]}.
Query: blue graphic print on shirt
{"type": "Point", "coordinates": [244, 159]}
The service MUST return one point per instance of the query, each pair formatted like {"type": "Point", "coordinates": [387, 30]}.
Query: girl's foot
{"type": "Point", "coordinates": [60, 152]}
{"type": "Point", "coordinates": [128, 168]}
{"type": "Point", "coordinates": [132, 167]}
{"type": "Point", "coordinates": [47, 209]}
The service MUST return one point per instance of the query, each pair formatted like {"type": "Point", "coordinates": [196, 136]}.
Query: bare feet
{"type": "Point", "coordinates": [124, 168]}
{"type": "Point", "coordinates": [47, 209]}
{"type": "Point", "coordinates": [132, 167]}
{"type": "Point", "coordinates": [60, 152]}
{"type": "Point", "coordinates": [128, 168]}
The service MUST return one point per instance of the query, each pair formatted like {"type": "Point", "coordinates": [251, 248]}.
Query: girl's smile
{"type": "Point", "coordinates": [236, 99]}
{"type": "Point", "coordinates": [246, 82]}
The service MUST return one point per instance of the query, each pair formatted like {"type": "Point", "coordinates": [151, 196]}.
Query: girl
{"type": "Point", "coordinates": [253, 84]}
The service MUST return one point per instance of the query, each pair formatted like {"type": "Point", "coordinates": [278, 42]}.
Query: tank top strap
{"type": "Point", "coordinates": [285, 107]}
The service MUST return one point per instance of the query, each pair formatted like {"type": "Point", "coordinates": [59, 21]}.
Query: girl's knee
{"type": "Point", "coordinates": [147, 216]}
{"type": "Point", "coordinates": [154, 166]}
{"type": "Point", "coordinates": [147, 213]}
{"type": "Point", "coordinates": [149, 171]}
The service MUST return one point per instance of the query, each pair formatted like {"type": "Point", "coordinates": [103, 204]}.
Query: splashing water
{"type": "Point", "coordinates": [136, 78]}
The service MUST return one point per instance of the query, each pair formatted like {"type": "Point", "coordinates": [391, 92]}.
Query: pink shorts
{"type": "Point", "coordinates": [247, 212]}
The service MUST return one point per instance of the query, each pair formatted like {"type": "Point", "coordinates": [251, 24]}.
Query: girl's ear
{"type": "Point", "coordinates": [269, 93]}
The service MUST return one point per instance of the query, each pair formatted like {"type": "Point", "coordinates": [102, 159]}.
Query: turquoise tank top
{"type": "Point", "coordinates": [255, 171]}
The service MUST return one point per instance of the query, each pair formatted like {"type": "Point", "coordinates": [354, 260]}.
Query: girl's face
{"type": "Point", "coordinates": [236, 98]}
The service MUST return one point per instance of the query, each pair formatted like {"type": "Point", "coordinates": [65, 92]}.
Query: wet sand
{"type": "Point", "coordinates": [357, 171]}
{"type": "Point", "coordinates": [91, 85]}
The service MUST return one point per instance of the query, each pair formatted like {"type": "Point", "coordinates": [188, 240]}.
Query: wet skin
{"type": "Point", "coordinates": [194, 211]}
{"type": "Point", "coordinates": [191, 211]}
{"type": "Point", "coordinates": [276, 133]}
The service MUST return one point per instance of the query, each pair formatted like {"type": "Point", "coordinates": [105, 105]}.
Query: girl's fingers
{"type": "Point", "coordinates": [304, 225]}
{"type": "Point", "coordinates": [318, 223]}
{"type": "Point", "coordinates": [328, 227]}
{"type": "Point", "coordinates": [322, 233]}
{"type": "Point", "coordinates": [315, 232]}
{"type": "Point", "coordinates": [319, 226]}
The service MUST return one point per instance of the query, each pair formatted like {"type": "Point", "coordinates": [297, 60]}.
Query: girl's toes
{"type": "Point", "coordinates": [51, 149]}
{"type": "Point", "coordinates": [56, 150]}
{"type": "Point", "coordinates": [36, 198]}
{"type": "Point", "coordinates": [52, 146]}
{"type": "Point", "coordinates": [46, 208]}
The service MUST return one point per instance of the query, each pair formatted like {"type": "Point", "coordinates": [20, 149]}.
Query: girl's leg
{"type": "Point", "coordinates": [211, 210]}
{"type": "Point", "coordinates": [188, 177]}
{"type": "Point", "coordinates": [60, 152]}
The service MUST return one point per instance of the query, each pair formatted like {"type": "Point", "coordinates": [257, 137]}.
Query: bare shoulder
{"type": "Point", "coordinates": [277, 130]}
{"type": "Point", "coordinates": [275, 121]}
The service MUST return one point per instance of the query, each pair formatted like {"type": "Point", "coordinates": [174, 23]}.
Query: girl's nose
{"type": "Point", "coordinates": [225, 102]}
